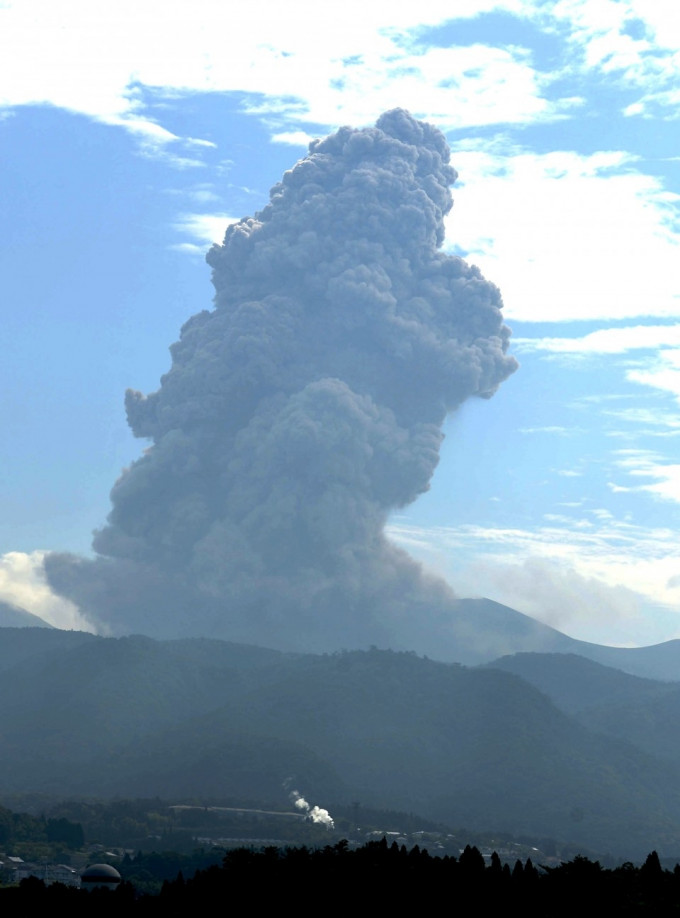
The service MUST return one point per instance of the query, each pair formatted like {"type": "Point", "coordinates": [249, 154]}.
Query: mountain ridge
{"type": "Point", "coordinates": [194, 718]}
{"type": "Point", "coordinates": [13, 616]}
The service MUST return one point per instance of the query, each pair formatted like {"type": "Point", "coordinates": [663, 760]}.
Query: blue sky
{"type": "Point", "coordinates": [132, 133]}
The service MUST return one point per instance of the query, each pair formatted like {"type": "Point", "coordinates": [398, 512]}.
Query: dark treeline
{"type": "Point", "coordinates": [380, 876]}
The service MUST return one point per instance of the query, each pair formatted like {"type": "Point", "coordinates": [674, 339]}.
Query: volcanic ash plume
{"type": "Point", "coordinates": [300, 411]}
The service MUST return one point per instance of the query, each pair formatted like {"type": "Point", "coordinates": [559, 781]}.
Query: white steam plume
{"type": "Point", "coordinates": [315, 814]}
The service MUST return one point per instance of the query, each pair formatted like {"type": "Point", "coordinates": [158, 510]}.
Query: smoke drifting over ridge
{"type": "Point", "coordinates": [302, 410]}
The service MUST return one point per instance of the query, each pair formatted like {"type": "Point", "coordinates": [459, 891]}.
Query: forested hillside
{"type": "Point", "coordinates": [480, 748]}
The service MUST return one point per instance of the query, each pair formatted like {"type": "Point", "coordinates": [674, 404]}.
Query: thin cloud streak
{"type": "Point", "coordinates": [205, 228]}
{"type": "Point", "coordinates": [646, 464]}
{"type": "Point", "coordinates": [606, 341]}
{"type": "Point", "coordinates": [663, 374]}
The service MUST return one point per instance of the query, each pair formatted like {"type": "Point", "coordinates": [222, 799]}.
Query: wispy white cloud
{"type": "Point", "coordinates": [650, 356]}
{"type": "Point", "coordinates": [574, 236]}
{"type": "Point", "coordinates": [643, 422]}
{"type": "Point", "coordinates": [663, 374]}
{"type": "Point", "coordinates": [199, 193]}
{"type": "Point", "coordinates": [633, 41]}
{"type": "Point", "coordinates": [664, 474]}
{"type": "Point", "coordinates": [561, 223]}
{"type": "Point", "coordinates": [554, 429]}
{"type": "Point", "coordinates": [23, 583]}
{"type": "Point", "coordinates": [607, 341]}
{"type": "Point", "coordinates": [307, 61]}
{"type": "Point", "coordinates": [200, 142]}
{"type": "Point", "coordinates": [593, 576]}
{"type": "Point", "coordinates": [206, 228]}
{"type": "Point", "coordinates": [189, 248]}
{"type": "Point", "coordinates": [293, 138]}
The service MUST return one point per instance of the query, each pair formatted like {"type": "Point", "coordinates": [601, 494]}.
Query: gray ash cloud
{"type": "Point", "coordinates": [301, 410]}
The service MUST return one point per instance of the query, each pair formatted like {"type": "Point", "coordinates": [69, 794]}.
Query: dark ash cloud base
{"type": "Point", "coordinates": [300, 411]}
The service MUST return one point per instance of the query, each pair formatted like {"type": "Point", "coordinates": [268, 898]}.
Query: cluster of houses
{"type": "Point", "coordinates": [16, 869]}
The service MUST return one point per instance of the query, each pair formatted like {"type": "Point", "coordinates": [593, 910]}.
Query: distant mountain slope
{"type": "Point", "coordinates": [486, 630]}
{"type": "Point", "coordinates": [576, 684]}
{"type": "Point", "coordinates": [659, 661]}
{"type": "Point", "coordinates": [640, 711]}
{"type": "Point", "coordinates": [650, 722]}
{"type": "Point", "coordinates": [12, 616]}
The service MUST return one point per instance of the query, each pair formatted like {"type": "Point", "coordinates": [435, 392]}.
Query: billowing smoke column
{"type": "Point", "coordinates": [302, 410]}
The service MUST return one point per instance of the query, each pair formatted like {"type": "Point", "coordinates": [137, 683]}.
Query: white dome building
{"type": "Point", "coordinates": [100, 876]}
